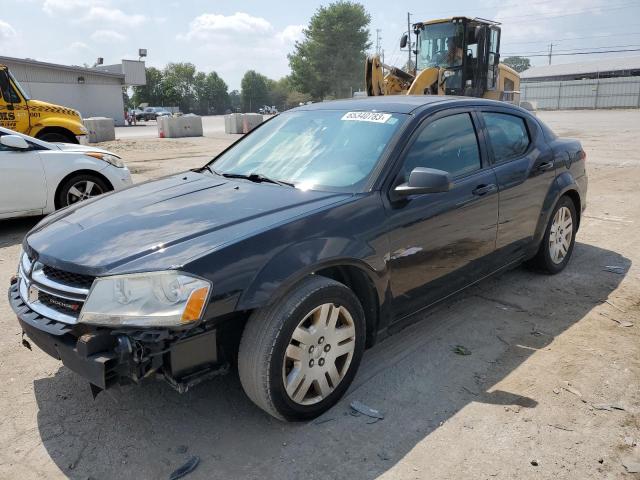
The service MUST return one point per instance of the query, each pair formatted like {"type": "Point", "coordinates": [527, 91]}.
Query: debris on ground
{"type": "Point", "coordinates": [185, 469]}
{"type": "Point", "coordinates": [561, 427]}
{"type": "Point", "coordinates": [615, 306]}
{"type": "Point", "coordinates": [556, 391]}
{"type": "Point", "coordinates": [534, 463]}
{"type": "Point", "coordinates": [630, 441]}
{"type": "Point", "coordinates": [360, 407]}
{"type": "Point", "coordinates": [631, 466]}
{"type": "Point", "coordinates": [567, 386]}
{"type": "Point", "coordinates": [607, 406]}
{"type": "Point", "coordinates": [622, 323]}
{"type": "Point", "coordinates": [182, 449]}
{"type": "Point", "coordinates": [615, 269]}
{"type": "Point", "coordinates": [461, 350]}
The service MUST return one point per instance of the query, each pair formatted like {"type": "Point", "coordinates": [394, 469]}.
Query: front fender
{"type": "Point", "coordinates": [300, 260]}
{"type": "Point", "coordinates": [561, 185]}
{"type": "Point", "coordinates": [74, 126]}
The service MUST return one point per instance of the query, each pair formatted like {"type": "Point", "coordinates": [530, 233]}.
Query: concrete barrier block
{"type": "Point", "coordinates": [101, 129]}
{"type": "Point", "coordinates": [233, 123]}
{"type": "Point", "coordinates": [177, 127]}
{"type": "Point", "coordinates": [250, 121]}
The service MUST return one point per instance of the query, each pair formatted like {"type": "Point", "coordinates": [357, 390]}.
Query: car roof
{"type": "Point", "coordinates": [400, 103]}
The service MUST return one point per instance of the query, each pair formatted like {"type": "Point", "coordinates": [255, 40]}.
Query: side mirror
{"type": "Point", "coordinates": [425, 180]}
{"type": "Point", "coordinates": [403, 40]}
{"type": "Point", "coordinates": [14, 141]}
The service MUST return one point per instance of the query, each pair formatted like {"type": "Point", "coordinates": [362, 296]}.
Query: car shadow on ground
{"type": "Point", "coordinates": [414, 377]}
{"type": "Point", "coordinates": [14, 230]}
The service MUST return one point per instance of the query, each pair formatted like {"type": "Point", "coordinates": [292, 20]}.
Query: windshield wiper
{"type": "Point", "coordinates": [258, 178]}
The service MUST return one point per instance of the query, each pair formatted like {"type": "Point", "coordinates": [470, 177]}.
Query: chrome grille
{"type": "Point", "coordinates": [51, 292]}
{"type": "Point", "coordinates": [68, 278]}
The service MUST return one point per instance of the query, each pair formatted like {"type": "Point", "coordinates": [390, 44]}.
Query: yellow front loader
{"type": "Point", "coordinates": [453, 56]}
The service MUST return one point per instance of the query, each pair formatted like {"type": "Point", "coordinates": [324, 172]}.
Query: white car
{"type": "Point", "coordinates": [38, 177]}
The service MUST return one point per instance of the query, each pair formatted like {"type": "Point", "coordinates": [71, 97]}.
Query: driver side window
{"type": "Point", "coordinates": [448, 144]}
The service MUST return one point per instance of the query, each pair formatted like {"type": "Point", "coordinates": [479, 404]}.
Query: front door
{"type": "Point", "coordinates": [439, 242]}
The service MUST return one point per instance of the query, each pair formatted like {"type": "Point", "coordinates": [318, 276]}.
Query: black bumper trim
{"type": "Point", "coordinates": [55, 339]}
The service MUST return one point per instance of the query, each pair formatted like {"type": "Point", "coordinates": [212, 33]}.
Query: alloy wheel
{"type": "Point", "coordinates": [319, 354]}
{"type": "Point", "coordinates": [560, 235]}
{"type": "Point", "coordinates": [83, 190]}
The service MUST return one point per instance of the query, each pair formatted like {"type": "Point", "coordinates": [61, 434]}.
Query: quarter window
{"type": "Point", "coordinates": [508, 135]}
{"type": "Point", "coordinates": [448, 144]}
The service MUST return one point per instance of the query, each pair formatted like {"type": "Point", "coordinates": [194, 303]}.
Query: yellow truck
{"type": "Point", "coordinates": [45, 121]}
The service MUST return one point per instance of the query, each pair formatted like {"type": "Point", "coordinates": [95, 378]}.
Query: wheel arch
{"type": "Point", "coordinates": [60, 130]}
{"type": "Point", "coordinates": [94, 173]}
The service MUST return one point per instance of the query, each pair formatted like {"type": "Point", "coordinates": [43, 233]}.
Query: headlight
{"type": "Point", "coordinates": [155, 299]}
{"type": "Point", "coordinates": [107, 157]}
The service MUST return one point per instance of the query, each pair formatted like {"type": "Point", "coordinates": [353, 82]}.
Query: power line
{"type": "Point", "coordinates": [563, 39]}
{"type": "Point", "coordinates": [578, 53]}
{"type": "Point", "coordinates": [576, 49]}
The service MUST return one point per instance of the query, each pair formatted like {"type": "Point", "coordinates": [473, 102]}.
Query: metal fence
{"type": "Point", "coordinates": [621, 92]}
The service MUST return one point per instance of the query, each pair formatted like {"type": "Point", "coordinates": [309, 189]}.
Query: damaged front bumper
{"type": "Point", "coordinates": [107, 357]}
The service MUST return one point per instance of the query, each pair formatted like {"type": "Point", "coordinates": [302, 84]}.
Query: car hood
{"type": "Point", "coordinates": [72, 147]}
{"type": "Point", "coordinates": [166, 223]}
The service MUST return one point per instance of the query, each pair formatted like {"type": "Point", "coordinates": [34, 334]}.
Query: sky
{"type": "Point", "coordinates": [231, 37]}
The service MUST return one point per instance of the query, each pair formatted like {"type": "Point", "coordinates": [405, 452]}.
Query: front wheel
{"type": "Point", "coordinates": [298, 356]}
{"type": "Point", "coordinates": [80, 187]}
{"type": "Point", "coordinates": [559, 238]}
{"type": "Point", "coordinates": [56, 137]}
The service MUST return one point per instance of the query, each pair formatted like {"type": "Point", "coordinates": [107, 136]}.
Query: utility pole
{"type": "Point", "coordinates": [550, 52]}
{"type": "Point", "coordinates": [378, 38]}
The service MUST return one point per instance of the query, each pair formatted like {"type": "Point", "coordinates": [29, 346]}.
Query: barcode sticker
{"type": "Point", "coordinates": [374, 117]}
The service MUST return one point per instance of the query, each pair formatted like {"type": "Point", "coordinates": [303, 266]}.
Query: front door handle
{"type": "Point", "coordinates": [543, 167]}
{"type": "Point", "coordinates": [484, 189]}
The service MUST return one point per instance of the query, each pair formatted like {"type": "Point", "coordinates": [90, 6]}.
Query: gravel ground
{"type": "Point", "coordinates": [550, 390]}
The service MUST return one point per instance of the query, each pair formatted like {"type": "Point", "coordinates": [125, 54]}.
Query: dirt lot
{"type": "Point", "coordinates": [550, 390]}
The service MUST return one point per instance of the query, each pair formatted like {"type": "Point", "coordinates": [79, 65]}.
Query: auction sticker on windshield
{"type": "Point", "coordinates": [367, 117]}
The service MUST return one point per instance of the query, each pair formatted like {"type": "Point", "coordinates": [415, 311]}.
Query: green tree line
{"type": "Point", "coordinates": [327, 63]}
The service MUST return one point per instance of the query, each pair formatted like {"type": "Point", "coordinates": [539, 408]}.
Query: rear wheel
{"type": "Point", "coordinates": [81, 187]}
{"type": "Point", "coordinates": [559, 238]}
{"type": "Point", "coordinates": [298, 356]}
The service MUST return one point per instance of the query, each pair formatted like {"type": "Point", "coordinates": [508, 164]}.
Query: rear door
{"type": "Point", "coordinates": [525, 170]}
{"type": "Point", "coordinates": [440, 242]}
{"type": "Point", "coordinates": [23, 188]}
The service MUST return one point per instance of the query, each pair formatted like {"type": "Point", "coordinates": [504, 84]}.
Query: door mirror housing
{"type": "Point", "coordinates": [15, 142]}
{"type": "Point", "coordinates": [403, 40]}
{"type": "Point", "coordinates": [424, 180]}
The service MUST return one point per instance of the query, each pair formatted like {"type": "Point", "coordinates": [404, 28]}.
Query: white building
{"type": "Point", "coordinates": [94, 92]}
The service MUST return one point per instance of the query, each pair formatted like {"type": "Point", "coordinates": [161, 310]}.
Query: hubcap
{"type": "Point", "coordinates": [560, 235]}
{"type": "Point", "coordinates": [319, 354]}
{"type": "Point", "coordinates": [83, 190]}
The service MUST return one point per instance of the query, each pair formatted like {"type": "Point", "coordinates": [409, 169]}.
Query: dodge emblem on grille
{"type": "Point", "coordinates": [33, 294]}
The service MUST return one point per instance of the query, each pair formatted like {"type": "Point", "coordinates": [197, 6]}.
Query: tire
{"type": "Point", "coordinates": [271, 340]}
{"type": "Point", "coordinates": [67, 196]}
{"type": "Point", "coordinates": [56, 137]}
{"type": "Point", "coordinates": [553, 255]}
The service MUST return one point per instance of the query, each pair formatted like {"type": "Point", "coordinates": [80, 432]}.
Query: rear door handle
{"type": "Point", "coordinates": [484, 189]}
{"type": "Point", "coordinates": [543, 167]}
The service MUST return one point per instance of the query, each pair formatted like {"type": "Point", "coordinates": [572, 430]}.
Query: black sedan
{"type": "Point", "coordinates": [299, 246]}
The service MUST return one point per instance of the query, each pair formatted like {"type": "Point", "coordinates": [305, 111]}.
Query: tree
{"type": "Point", "coordinates": [278, 92]}
{"type": "Point", "coordinates": [178, 81]}
{"type": "Point", "coordinates": [211, 93]}
{"type": "Point", "coordinates": [329, 60]}
{"type": "Point", "coordinates": [151, 92]}
{"type": "Point", "coordinates": [255, 91]}
{"type": "Point", "coordinates": [235, 100]}
{"type": "Point", "coordinates": [519, 64]}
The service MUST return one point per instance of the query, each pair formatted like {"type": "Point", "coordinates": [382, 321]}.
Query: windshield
{"type": "Point", "coordinates": [19, 87]}
{"type": "Point", "coordinates": [440, 45]}
{"type": "Point", "coordinates": [318, 149]}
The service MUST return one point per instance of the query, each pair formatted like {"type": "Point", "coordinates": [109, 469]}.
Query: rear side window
{"type": "Point", "coordinates": [448, 144]}
{"type": "Point", "coordinates": [508, 135]}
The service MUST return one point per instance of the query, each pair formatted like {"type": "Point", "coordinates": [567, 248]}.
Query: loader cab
{"type": "Point", "coordinates": [467, 50]}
